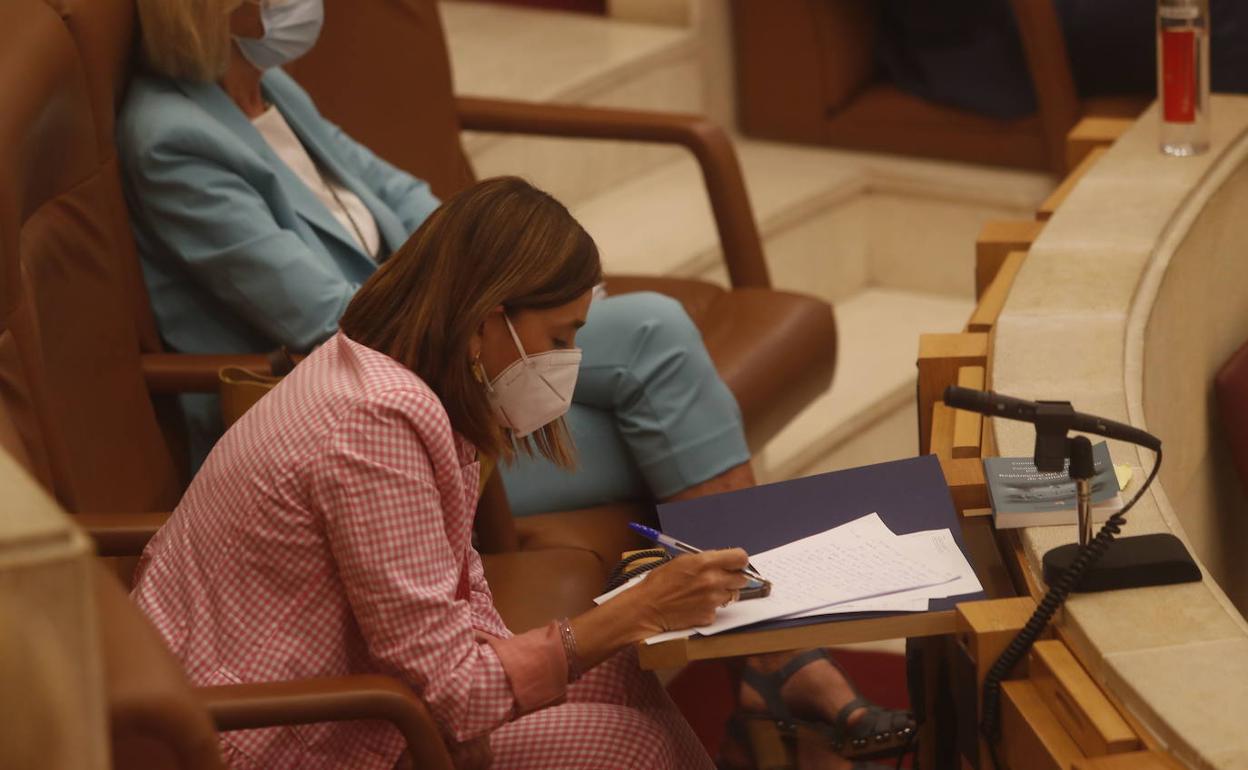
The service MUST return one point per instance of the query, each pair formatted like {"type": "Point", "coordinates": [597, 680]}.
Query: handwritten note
{"type": "Point", "coordinates": [858, 560]}
{"type": "Point", "coordinates": [935, 547]}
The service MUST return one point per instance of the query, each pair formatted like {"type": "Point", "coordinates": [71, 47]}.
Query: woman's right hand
{"type": "Point", "coordinates": [681, 594]}
{"type": "Point", "coordinates": [686, 591]}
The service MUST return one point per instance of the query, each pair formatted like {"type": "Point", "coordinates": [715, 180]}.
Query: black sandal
{"type": "Point", "coordinates": [879, 733]}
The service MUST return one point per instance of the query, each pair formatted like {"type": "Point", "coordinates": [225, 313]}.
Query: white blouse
{"type": "Point", "coordinates": [345, 205]}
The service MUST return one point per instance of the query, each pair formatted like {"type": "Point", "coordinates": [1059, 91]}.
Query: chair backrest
{"type": "Point", "coordinates": [1057, 99]}
{"type": "Point", "coordinates": [399, 101]}
{"type": "Point", "coordinates": [70, 290]}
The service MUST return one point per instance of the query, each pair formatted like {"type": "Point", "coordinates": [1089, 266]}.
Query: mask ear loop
{"type": "Point", "coordinates": [516, 338]}
{"type": "Point", "coordinates": [525, 356]}
{"type": "Point", "coordinates": [478, 373]}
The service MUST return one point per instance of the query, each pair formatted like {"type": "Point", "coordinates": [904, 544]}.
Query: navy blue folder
{"type": "Point", "coordinates": [909, 495]}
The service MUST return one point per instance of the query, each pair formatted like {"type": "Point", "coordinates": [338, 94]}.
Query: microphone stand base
{"type": "Point", "coordinates": [1130, 562]}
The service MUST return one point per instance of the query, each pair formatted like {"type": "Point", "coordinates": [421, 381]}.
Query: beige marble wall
{"type": "Point", "coordinates": [674, 12]}
{"type": "Point", "coordinates": [1199, 318]}
{"type": "Point", "coordinates": [712, 22]}
{"type": "Point", "coordinates": [1132, 294]}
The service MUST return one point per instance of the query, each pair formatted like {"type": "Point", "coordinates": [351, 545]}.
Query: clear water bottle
{"type": "Point", "coordinates": [1183, 75]}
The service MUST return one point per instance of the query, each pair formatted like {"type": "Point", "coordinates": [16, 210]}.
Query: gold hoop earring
{"type": "Point", "coordinates": [478, 371]}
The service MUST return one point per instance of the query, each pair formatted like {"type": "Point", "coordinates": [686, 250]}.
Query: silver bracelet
{"type": "Point", "coordinates": [569, 650]}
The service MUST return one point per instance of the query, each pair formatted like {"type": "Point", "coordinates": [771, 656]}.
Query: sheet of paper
{"type": "Point", "coordinates": [890, 603]}
{"type": "Point", "coordinates": [940, 545]}
{"type": "Point", "coordinates": [858, 560]}
{"type": "Point", "coordinates": [935, 546]}
{"type": "Point", "coordinates": [870, 525]}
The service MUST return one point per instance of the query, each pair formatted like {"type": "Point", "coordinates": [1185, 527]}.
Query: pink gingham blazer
{"type": "Point", "coordinates": [329, 533]}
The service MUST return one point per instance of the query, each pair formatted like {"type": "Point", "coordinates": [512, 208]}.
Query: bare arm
{"type": "Point", "coordinates": [681, 594]}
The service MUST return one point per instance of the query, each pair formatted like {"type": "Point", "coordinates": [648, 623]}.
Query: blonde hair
{"type": "Point", "coordinates": [500, 242]}
{"type": "Point", "coordinates": [186, 39]}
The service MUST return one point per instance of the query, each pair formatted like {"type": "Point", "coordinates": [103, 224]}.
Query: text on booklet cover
{"type": "Point", "coordinates": [1022, 496]}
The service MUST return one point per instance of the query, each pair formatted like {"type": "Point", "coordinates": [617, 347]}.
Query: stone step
{"type": "Point", "coordinates": [887, 240]}
{"type": "Point", "coordinates": [868, 414]}
{"type": "Point", "coordinates": [550, 56]}
{"type": "Point", "coordinates": [833, 222]}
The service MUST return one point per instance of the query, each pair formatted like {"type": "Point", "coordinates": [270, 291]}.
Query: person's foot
{"type": "Point", "coordinates": [816, 691]}
{"type": "Point", "coordinates": [807, 686]}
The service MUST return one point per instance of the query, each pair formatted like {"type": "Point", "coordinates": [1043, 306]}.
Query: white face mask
{"type": "Point", "coordinates": [291, 28]}
{"type": "Point", "coordinates": [534, 391]}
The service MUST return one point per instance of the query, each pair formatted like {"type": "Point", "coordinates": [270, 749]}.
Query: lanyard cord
{"type": "Point", "coordinates": [359, 234]}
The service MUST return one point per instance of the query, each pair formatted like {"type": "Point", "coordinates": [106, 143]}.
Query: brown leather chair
{"type": "Point", "coordinates": [775, 351]}
{"type": "Point", "coordinates": [807, 72]}
{"type": "Point", "coordinates": [1231, 387]}
{"type": "Point", "coordinates": [381, 71]}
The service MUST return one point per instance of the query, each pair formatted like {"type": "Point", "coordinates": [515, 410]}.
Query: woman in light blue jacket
{"type": "Point", "coordinates": [257, 219]}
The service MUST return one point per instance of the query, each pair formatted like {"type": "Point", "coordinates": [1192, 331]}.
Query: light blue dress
{"type": "Point", "coordinates": [240, 256]}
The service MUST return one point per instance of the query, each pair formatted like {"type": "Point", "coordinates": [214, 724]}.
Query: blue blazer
{"type": "Point", "coordinates": [238, 254]}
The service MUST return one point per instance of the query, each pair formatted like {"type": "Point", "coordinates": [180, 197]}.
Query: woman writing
{"type": "Point", "coordinates": [330, 531]}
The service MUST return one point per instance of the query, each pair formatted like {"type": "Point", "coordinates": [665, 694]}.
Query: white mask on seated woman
{"type": "Point", "coordinates": [291, 28]}
{"type": "Point", "coordinates": [535, 390]}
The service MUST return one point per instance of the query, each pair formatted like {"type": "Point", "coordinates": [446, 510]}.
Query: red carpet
{"type": "Point", "coordinates": [706, 695]}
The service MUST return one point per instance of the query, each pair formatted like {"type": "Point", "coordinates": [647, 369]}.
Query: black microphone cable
{"type": "Point", "coordinates": [1054, 598]}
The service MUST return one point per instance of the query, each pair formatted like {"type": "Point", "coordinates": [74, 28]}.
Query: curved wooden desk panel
{"type": "Point", "coordinates": [1135, 291]}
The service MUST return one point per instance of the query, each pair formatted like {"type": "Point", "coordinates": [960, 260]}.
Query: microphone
{"type": "Point", "coordinates": [996, 405]}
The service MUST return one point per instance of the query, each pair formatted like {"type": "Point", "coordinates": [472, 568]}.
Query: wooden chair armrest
{"type": "Point", "coordinates": [121, 534]}
{"type": "Point", "coordinates": [1057, 100]}
{"type": "Point", "coordinates": [331, 699]}
{"type": "Point", "coordinates": [184, 373]}
{"type": "Point", "coordinates": [734, 217]}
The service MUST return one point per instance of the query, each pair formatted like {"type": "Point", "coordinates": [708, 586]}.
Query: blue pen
{"type": "Point", "coordinates": [650, 533]}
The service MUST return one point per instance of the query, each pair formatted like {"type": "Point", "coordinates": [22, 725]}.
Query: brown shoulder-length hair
{"type": "Point", "coordinates": [500, 242]}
